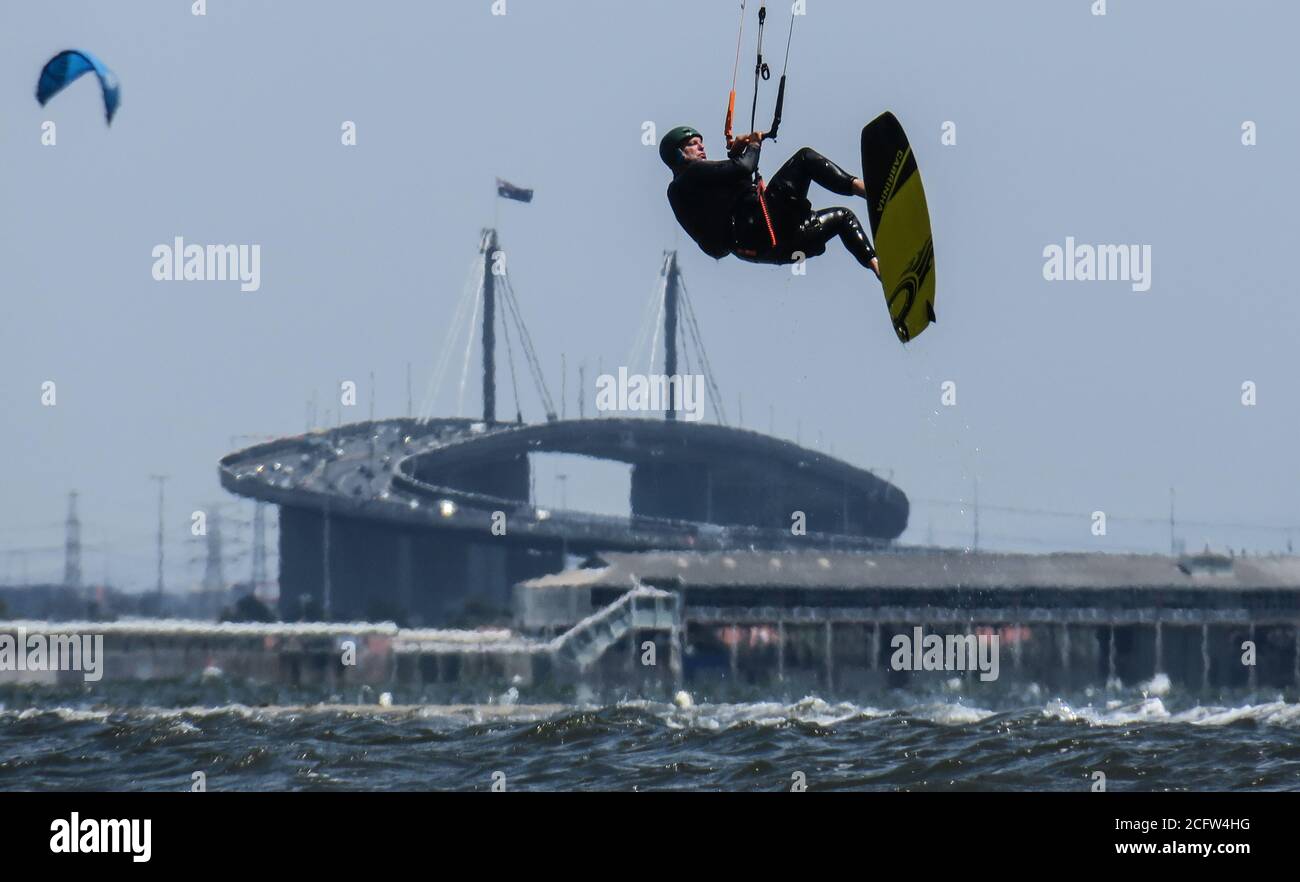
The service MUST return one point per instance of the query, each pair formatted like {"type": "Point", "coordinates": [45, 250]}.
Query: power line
{"type": "Point", "coordinates": [162, 481]}
{"type": "Point", "coordinates": [1101, 546]}
{"type": "Point", "coordinates": [72, 556]}
{"type": "Point", "coordinates": [1159, 521]}
{"type": "Point", "coordinates": [29, 528]}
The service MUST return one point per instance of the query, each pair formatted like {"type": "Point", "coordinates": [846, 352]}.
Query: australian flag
{"type": "Point", "coordinates": [507, 190]}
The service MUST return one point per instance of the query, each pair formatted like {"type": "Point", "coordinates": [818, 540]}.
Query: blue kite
{"type": "Point", "coordinates": [67, 66]}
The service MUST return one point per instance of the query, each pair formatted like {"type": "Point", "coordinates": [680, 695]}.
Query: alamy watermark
{"type": "Point", "coordinates": [22, 651]}
{"type": "Point", "coordinates": [78, 835]}
{"type": "Point", "coordinates": [179, 262]}
{"type": "Point", "coordinates": [1098, 263]}
{"type": "Point", "coordinates": [952, 652]}
{"type": "Point", "coordinates": [639, 392]}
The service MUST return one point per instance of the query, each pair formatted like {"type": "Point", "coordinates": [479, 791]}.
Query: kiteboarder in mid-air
{"type": "Point", "coordinates": [721, 208]}
{"type": "Point", "coordinates": [727, 208]}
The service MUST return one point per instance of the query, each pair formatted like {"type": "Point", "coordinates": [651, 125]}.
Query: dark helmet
{"type": "Point", "coordinates": [670, 148]}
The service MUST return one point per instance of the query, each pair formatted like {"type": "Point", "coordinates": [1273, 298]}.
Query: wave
{"type": "Point", "coordinates": [811, 710]}
{"type": "Point", "coordinates": [1153, 710]}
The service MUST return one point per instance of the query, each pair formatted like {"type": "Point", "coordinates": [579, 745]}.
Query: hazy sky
{"type": "Point", "coordinates": [1072, 396]}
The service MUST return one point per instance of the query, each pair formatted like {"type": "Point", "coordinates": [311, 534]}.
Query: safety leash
{"type": "Point", "coordinates": [761, 188]}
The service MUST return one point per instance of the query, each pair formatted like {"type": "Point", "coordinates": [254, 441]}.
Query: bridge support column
{"type": "Point", "coordinates": [1065, 651]}
{"type": "Point", "coordinates": [404, 577]}
{"type": "Point", "coordinates": [780, 650]}
{"type": "Point", "coordinates": [966, 674]}
{"type": "Point", "coordinates": [830, 656]}
{"type": "Point", "coordinates": [1205, 658]}
{"type": "Point", "coordinates": [675, 650]}
{"type": "Point", "coordinates": [1110, 657]}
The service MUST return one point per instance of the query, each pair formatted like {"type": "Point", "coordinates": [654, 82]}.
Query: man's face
{"type": "Point", "coordinates": [694, 149]}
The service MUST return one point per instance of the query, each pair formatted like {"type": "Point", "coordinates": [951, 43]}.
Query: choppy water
{"type": "Point", "coordinates": [140, 736]}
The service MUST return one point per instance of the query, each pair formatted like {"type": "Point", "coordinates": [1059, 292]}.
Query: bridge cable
{"type": "Point", "coordinates": [510, 358]}
{"type": "Point", "coordinates": [648, 311]}
{"type": "Point", "coordinates": [469, 347]}
{"type": "Point", "coordinates": [530, 352]}
{"type": "Point", "coordinates": [470, 292]}
{"type": "Point", "coordinates": [711, 382]}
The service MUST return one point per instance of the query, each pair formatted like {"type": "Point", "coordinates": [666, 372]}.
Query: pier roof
{"type": "Point", "coordinates": [928, 569]}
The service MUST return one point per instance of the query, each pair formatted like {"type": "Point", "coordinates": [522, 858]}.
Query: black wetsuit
{"type": "Point", "coordinates": [716, 204]}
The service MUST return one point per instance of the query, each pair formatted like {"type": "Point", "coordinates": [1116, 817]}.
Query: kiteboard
{"type": "Point", "coordinates": [900, 225]}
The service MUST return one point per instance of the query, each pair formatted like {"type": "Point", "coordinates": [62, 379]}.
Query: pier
{"type": "Point", "coordinates": [814, 621]}
{"type": "Point", "coordinates": [829, 620]}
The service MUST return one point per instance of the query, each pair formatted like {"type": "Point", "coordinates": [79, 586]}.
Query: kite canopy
{"type": "Point", "coordinates": [67, 66]}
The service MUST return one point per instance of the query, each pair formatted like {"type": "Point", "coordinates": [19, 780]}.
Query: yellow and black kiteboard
{"type": "Point", "coordinates": [900, 225]}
